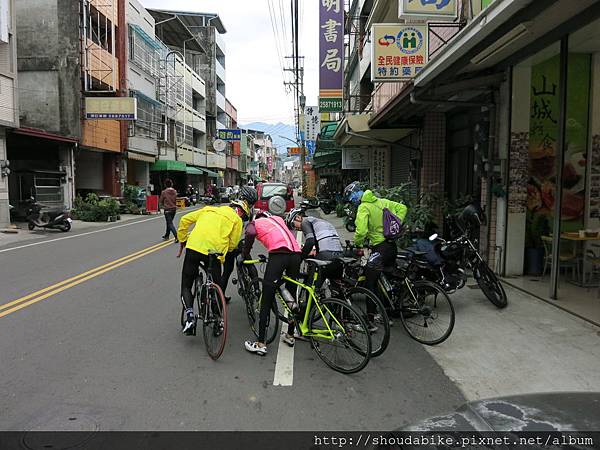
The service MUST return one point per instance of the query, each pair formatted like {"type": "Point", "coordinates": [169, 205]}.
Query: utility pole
{"type": "Point", "coordinates": [298, 85]}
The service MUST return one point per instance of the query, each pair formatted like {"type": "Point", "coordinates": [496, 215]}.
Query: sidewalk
{"type": "Point", "coordinates": [530, 346]}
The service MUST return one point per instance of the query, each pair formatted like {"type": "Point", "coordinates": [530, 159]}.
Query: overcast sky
{"type": "Point", "coordinates": [254, 82]}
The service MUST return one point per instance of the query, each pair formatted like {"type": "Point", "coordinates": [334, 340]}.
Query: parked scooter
{"type": "Point", "coordinates": [41, 217]}
{"type": "Point", "coordinates": [350, 210]}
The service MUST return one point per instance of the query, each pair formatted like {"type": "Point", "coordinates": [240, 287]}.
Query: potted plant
{"type": "Point", "coordinates": [536, 226]}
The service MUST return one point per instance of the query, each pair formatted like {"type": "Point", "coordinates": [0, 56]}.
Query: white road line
{"type": "Point", "coordinates": [78, 235]}
{"type": "Point", "coordinates": [284, 366]}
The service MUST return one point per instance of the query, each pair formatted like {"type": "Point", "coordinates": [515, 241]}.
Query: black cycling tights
{"type": "Point", "coordinates": [192, 261]}
{"type": "Point", "coordinates": [277, 265]}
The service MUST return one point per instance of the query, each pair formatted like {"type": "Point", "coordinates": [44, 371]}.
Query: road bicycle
{"type": "Point", "coordinates": [336, 330]}
{"type": "Point", "coordinates": [212, 309]}
{"type": "Point", "coordinates": [424, 308]}
{"type": "Point", "coordinates": [249, 286]}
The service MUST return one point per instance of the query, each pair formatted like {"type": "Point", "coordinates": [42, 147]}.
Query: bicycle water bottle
{"type": "Point", "coordinates": [288, 298]}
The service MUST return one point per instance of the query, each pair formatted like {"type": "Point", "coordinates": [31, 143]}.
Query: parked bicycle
{"type": "Point", "coordinates": [336, 330]}
{"type": "Point", "coordinates": [212, 309]}
{"type": "Point", "coordinates": [424, 308]}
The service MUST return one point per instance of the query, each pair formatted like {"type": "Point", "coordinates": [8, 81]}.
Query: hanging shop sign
{"type": "Point", "coordinates": [355, 158]}
{"type": "Point", "coordinates": [229, 135]}
{"type": "Point", "coordinates": [331, 55]}
{"type": "Point", "coordinates": [113, 108]}
{"type": "Point", "coordinates": [294, 151]}
{"type": "Point", "coordinates": [312, 123]}
{"type": "Point", "coordinates": [399, 51]}
{"type": "Point", "coordinates": [428, 9]}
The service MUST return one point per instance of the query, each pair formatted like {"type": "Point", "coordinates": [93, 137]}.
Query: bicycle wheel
{"type": "Point", "coordinates": [348, 349]}
{"type": "Point", "coordinates": [427, 313]}
{"type": "Point", "coordinates": [254, 316]}
{"type": "Point", "coordinates": [490, 285]}
{"type": "Point", "coordinates": [214, 315]}
{"type": "Point", "coordinates": [374, 313]}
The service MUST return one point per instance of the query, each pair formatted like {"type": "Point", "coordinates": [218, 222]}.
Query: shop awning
{"type": "Point", "coordinates": [34, 132]}
{"type": "Point", "coordinates": [193, 171]}
{"type": "Point", "coordinates": [140, 157]}
{"type": "Point", "coordinates": [210, 173]}
{"type": "Point", "coordinates": [168, 165]}
{"type": "Point", "coordinates": [355, 130]}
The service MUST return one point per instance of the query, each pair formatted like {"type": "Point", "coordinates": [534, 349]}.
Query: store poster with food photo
{"type": "Point", "coordinates": [543, 140]}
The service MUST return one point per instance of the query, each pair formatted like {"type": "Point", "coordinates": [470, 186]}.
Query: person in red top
{"type": "Point", "coordinates": [284, 256]}
{"type": "Point", "coordinates": [168, 202]}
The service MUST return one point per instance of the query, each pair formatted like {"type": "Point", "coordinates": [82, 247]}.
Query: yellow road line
{"type": "Point", "coordinates": [59, 287]}
{"type": "Point", "coordinates": [68, 280]}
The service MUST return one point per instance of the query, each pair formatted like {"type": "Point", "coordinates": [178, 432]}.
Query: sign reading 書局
{"type": "Point", "coordinates": [114, 108]}
{"type": "Point", "coordinates": [312, 123]}
{"type": "Point", "coordinates": [229, 135]}
{"type": "Point", "coordinates": [399, 51]}
{"type": "Point", "coordinates": [331, 55]}
{"type": "Point", "coordinates": [432, 9]}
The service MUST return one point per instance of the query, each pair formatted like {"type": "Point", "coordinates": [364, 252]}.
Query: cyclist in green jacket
{"type": "Point", "coordinates": [369, 225]}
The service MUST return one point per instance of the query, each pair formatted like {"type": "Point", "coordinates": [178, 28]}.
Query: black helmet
{"type": "Point", "coordinates": [248, 194]}
{"type": "Point", "coordinates": [471, 217]}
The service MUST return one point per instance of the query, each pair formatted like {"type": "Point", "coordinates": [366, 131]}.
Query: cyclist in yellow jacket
{"type": "Point", "coordinates": [216, 229]}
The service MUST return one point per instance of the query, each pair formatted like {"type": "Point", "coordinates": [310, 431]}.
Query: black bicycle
{"type": "Point", "coordinates": [212, 309]}
{"type": "Point", "coordinates": [249, 286]}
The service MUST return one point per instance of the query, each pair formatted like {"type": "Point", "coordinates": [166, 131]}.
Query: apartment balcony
{"type": "Point", "coordinates": [217, 160]}
{"type": "Point", "coordinates": [221, 102]}
{"type": "Point", "coordinates": [199, 157]}
{"type": "Point", "coordinates": [232, 162]}
{"type": "Point", "coordinates": [185, 153]}
{"type": "Point", "coordinates": [220, 70]}
{"type": "Point", "coordinates": [192, 118]}
{"type": "Point", "coordinates": [220, 42]}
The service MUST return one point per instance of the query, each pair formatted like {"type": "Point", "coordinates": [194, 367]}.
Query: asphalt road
{"type": "Point", "coordinates": [104, 351]}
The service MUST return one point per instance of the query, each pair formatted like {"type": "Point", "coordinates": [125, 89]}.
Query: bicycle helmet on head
{"type": "Point", "coordinates": [242, 204]}
{"type": "Point", "coordinates": [248, 194]}
{"type": "Point", "coordinates": [260, 214]}
{"type": "Point", "coordinates": [291, 216]}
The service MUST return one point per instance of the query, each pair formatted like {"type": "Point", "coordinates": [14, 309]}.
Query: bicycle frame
{"type": "Point", "coordinates": [312, 298]}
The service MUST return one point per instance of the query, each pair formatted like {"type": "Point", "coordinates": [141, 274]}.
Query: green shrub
{"type": "Point", "coordinates": [92, 209]}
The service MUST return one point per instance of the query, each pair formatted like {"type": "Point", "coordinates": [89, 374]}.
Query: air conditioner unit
{"type": "Point", "coordinates": [506, 40]}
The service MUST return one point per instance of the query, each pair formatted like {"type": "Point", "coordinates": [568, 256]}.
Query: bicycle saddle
{"type": "Point", "coordinates": [317, 262]}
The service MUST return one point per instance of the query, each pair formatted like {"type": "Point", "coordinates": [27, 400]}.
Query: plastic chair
{"type": "Point", "coordinates": [568, 257]}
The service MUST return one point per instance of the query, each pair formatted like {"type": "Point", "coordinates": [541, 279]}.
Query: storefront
{"type": "Point", "coordinates": [552, 228]}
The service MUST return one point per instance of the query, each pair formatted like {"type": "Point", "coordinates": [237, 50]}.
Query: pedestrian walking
{"type": "Point", "coordinates": [168, 202]}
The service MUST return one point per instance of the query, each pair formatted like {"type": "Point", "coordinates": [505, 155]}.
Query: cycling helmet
{"type": "Point", "coordinates": [242, 204]}
{"type": "Point", "coordinates": [291, 216]}
{"type": "Point", "coordinates": [248, 194]}
{"type": "Point", "coordinates": [260, 214]}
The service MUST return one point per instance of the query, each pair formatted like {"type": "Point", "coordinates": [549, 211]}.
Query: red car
{"type": "Point", "coordinates": [268, 201]}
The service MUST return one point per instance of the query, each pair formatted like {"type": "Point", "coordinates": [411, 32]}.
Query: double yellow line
{"type": "Point", "coordinates": [49, 291]}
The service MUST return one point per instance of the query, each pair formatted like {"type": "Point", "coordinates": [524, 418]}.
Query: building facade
{"type": "Point", "coordinates": [9, 113]}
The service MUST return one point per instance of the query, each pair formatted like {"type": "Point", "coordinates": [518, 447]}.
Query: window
{"type": "Point", "coordinates": [270, 190]}
{"type": "Point", "coordinates": [100, 29]}
{"type": "Point", "coordinates": [142, 51]}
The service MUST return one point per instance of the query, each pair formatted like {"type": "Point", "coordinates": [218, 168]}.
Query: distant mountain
{"type": "Point", "coordinates": [275, 131]}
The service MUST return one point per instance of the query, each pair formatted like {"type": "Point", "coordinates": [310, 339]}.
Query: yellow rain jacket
{"type": "Point", "coordinates": [217, 228]}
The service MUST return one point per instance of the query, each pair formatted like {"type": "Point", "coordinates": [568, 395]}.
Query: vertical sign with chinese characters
{"type": "Point", "coordinates": [399, 51]}
{"type": "Point", "coordinates": [331, 55]}
{"type": "Point", "coordinates": [312, 123]}
{"type": "Point", "coordinates": [544, 127]}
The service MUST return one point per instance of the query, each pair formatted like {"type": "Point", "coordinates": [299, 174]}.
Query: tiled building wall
{"type": "Point", "coordinates": [433, 158]}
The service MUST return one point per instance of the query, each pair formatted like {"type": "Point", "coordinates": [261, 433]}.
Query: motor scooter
{"type": "Point", "coordinates": [54, 218]}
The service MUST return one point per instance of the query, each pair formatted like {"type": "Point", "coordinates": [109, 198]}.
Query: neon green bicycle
{"type": "Point", "coordinates": [336, 330]}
